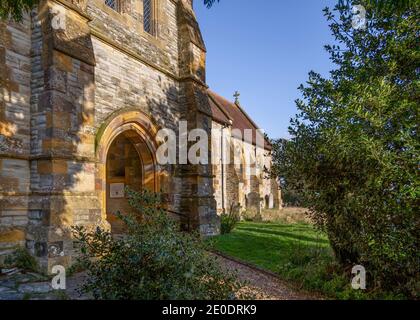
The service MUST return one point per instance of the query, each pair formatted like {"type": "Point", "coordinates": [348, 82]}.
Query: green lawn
{"type": "Point", "coordinates": [296, 252]}
{"type": "Point", "coordinates": [270, 245]}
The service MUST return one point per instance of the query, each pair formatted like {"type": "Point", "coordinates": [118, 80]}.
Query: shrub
{"type": "Point", "coordinates": [251, 215]}
{"type": "Point", "coordinates": [315, 269]}
{"type": "Point", "coordinates": [354, 148]}
{"type": "Point", "coordinates": [21, 259]}
{"type": "Point", "coordinates": [229, 221]}
{"type": "Point", "coordinates": [153, 261]}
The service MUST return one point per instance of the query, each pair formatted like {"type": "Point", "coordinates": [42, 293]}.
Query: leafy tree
{"type": "Point", "coordinates": [354, 152]}
{"type": "Point", "coordinates": [209, 3]}
{"type": "Point", "coordinates": [290, 191]}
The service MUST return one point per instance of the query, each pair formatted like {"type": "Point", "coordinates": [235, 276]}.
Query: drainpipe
{"type": "Point", "coordinates": [225, 126]}
{"type": "Point", "coordinates": [223, 169]}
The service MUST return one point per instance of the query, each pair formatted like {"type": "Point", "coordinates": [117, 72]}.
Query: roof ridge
{"type": "Point", "coordinates": [232, 110]}
{"type": "Point", "coordinates": [240, 108]}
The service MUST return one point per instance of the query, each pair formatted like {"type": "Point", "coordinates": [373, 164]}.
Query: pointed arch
{"type": "Point", "coordinates": [138, 128]}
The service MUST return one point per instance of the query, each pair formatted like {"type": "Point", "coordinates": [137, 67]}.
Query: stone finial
{"type": "Point", "coordinates": [236, 96]}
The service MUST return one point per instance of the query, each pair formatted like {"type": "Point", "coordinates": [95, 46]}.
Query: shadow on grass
{"type": "Point", "coordinates": [304, 227]}
{"type": "Point", "coordinates": [285, 234]}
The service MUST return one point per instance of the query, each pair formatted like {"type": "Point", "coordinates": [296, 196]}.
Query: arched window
{"type": "Point", "coordinates": [114, 4]}
{"type": "Point", "coordinates": [149, 14]}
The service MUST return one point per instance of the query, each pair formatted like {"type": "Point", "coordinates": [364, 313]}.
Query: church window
{"type": "Point", "coordinates": [114, 4]}
{"type": "Point", "coordinates": [149, 16]}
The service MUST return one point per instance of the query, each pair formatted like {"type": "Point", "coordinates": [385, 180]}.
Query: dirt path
{"type": "Point", "coordinates": [262, 285]}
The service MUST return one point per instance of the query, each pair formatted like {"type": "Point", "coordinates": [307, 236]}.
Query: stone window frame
{"type": "Point", "coordinates": [154, 12]}
{"type": "Point", "coordinates": [123, 7]}
{"type": "Point", "coordinates": [116, 5]}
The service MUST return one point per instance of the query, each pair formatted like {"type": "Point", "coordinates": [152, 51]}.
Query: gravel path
{"type": "Point", "coordinates": [263, 285]}
{"type": "Point", "coordinates": [260, 284]}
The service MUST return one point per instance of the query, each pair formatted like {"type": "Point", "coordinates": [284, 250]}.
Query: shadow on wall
{"type": "Point", "coordinates": [15, 83]}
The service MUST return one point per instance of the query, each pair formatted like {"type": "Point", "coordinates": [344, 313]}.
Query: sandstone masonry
{"type": "Point", "coordinates": [66, 94]}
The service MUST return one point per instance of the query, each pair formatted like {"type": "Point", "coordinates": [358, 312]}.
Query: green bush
{"type": "Point", "coordinates": [229, 221]}
{"type": "Point", "coordinates": [354, 152]}
{"type": "Point", "coordinates": [153, 261]}
{"type": "Point", "coordinates": [21, 259]}
{"type": "Point", "coordinates": [315, 269]}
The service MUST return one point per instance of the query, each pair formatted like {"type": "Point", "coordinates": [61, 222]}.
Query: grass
{"type": "Point", "coordinates": [268, 245]}
{"type": "Point", "coordinates": [296, 252]}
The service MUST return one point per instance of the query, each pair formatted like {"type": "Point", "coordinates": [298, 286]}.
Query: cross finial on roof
{"type": "Point", "coordinates": [237, 95]}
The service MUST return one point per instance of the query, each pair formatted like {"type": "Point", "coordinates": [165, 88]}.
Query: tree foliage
{"type": "Point", "coordinates": [354, 153]}
{"type": "Point", "coordinates": [290, 190]}
{"type": "Point", "coordinates": [152, 261]}
{"type": "Point", "coordinates": [209, 3]}
{"type": "Point", "coordinates": [15, 9]}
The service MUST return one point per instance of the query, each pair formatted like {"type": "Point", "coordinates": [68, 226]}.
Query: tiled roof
{"type": "Point", "coordinates": [224, 111]}
{"type": "Point", "coordinates": [217, 114]}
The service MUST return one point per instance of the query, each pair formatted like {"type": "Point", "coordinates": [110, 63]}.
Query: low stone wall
{"type": "Point", "coordinates": [286, 214]}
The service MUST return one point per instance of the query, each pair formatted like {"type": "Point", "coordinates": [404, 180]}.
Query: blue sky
{"type": "Point", "coordinates": [265, 49]}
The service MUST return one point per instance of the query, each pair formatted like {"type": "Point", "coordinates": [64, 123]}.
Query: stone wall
{"type": "Point", "coordinates": [220, 168]}
{"type": "Point", "coordinates": [15, 82]}
{"type": "Point", "coordinates": [63, 163]}
{"type": "Point", "coordinates": [125, 30]}
{"type": "Point", "coordinates": [241, 186]}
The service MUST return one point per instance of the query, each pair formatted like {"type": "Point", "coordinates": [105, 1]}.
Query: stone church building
{"type": "Point", "coordinates": [85, 86]}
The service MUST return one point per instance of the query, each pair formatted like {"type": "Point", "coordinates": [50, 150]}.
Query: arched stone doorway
{"type": "Point", "coordinates": [126, 152]}
{"type": "Point", "coordinates": [124, 168]}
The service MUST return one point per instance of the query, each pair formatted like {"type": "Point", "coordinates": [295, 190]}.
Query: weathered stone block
{"type": "Point", "coordinates": [12, 236]}
{"type": "Point", "coordinates": [63, 61]}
